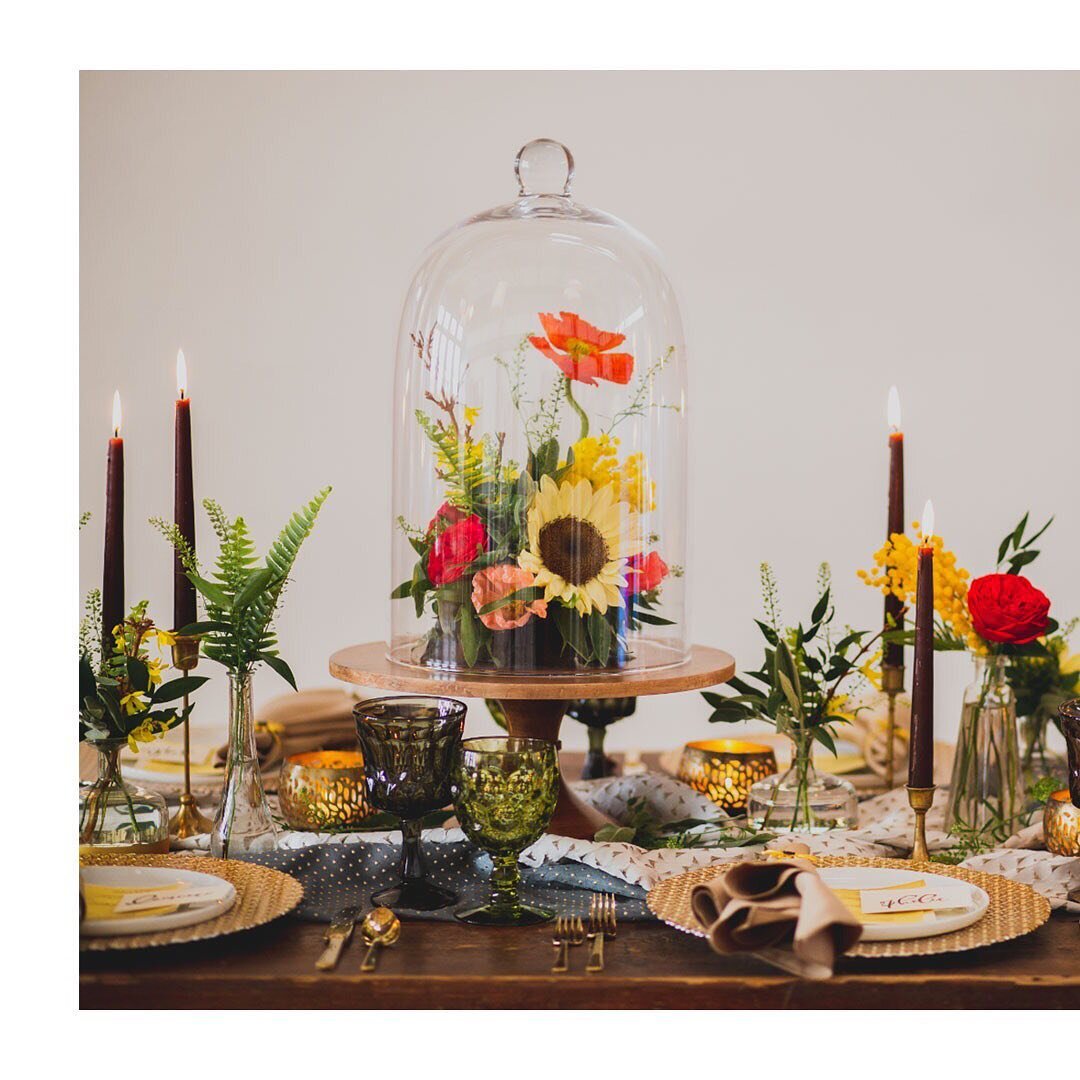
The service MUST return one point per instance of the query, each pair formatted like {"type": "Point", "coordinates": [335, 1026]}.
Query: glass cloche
{"type": "Point", "coordinates": [540, 443]}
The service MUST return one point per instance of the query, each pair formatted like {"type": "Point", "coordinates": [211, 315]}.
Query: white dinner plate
{"type": "Point", "coordinates": [878, 877]}
{"type": "Point", "coordinates": [155, 877]}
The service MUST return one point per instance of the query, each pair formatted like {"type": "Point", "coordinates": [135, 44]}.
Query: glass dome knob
{"type": "Point", "coordinates": [544, 167]}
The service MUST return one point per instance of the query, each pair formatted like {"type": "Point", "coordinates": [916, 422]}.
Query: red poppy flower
{"type": "Point", "coordinates": [1008, 609]}
{"type": "Point", "coordinates": [581, 351]}
{"type": "Point", "coordinates": [455, 548]}
{"type": "Point", "coordinates": [644, 572]}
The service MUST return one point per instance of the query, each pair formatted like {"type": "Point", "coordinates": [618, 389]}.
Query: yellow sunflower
{"type": "Point", "coordinates": [579, 540]}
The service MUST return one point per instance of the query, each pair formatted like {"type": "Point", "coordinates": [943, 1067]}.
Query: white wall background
{"type": "Point", "coordinates": [829, 234]}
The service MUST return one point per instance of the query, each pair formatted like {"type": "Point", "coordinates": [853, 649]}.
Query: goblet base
{"type": "Point", "coordinates": [489, 915]}
{"type": "Point", "coordinates": [415, 896]}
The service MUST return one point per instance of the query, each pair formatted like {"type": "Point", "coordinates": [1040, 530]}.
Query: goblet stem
{"type": "Point", "coordinates": [505, 881]}
{"type": "Point", "coordinates": [412, 861]}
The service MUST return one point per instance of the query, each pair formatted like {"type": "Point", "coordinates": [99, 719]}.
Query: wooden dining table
{"type": "Point", "coordinates": [648, 966]}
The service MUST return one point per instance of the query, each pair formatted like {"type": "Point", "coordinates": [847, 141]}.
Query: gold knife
{"type": "Point", "coordinates": [337, 937]}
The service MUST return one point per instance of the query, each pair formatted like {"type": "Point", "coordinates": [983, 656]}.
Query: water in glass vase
{"type": "Point", "coordinates": [802, 800]}
{"type": "Point", "coordinates": [985, 791]}
{"type": "Point", "coordinates": [119, 817]}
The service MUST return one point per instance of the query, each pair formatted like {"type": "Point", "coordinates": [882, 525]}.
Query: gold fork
{"type": "Point", "coordinates": [569, 930]}
{"type": "Point", "coordinates": [601, 925]}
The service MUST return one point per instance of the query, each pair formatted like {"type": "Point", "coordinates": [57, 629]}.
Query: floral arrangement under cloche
{"type": "Point", "coordinates": [547, 559]}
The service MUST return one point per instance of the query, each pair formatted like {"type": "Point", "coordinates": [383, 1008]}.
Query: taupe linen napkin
{"type": "Point", "coordinates": [780, 910]}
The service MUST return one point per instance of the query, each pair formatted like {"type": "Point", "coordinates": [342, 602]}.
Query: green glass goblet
{"type": "Point", "coordinates": [505, 789]}
{"type": "Point", "coordinates": [410, 745]}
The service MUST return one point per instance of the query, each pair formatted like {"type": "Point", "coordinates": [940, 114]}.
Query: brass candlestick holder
{"type": "Point", "coordinates": [920, 799]}
{"type": "Point", "coordinates": [189, 820]}
{"type": "Point", "coordinates": [892, 683]}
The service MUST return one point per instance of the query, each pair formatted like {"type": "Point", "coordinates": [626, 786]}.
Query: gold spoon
{"type": "Point", "coordinates": [380, 927]}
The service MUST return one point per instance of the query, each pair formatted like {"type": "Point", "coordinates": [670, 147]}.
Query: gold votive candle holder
{"type": "Point", "coordinates": [725, 769]}
{"type": "Point", "coordinates": [323, 789]}
{"type": "Point", "coordinates": [1061, 824]}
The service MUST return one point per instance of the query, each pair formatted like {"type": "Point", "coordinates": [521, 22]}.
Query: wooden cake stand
{"type": "Point", "coordinates": [535, 704]}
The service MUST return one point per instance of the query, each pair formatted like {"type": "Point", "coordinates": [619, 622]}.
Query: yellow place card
{"type": "Point", "coordinates": [125, 902]}
{"type": "Point", "coordinates": [852, 900]}
{"type": "Point", "coordinates": [128, 902]}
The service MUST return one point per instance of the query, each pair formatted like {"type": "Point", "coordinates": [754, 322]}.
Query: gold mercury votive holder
{"type": "Point", "coordinates": [1061, 824]}
{"type": "Point", "coordinates": [725, 769]}
{"type": "Point", "coordinates": [323, 789]}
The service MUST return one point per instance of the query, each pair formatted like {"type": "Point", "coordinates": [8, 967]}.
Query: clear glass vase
{"type": "Point", "coordinates": [1037, 759]}
{"type": "Point", "coordinates": [243, 822]}
{"type": "Point", "coordinates": [985, 792]}
{"type": "Point", "coordinates": [117, 816]}
{"type": "Point", "coordinates": [802, 799]}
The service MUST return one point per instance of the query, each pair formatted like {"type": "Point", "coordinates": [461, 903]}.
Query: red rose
{"type": "Point", "coordinates": [1007, 608]}
{"type": "Point", "coordinates": [447, 514]}
{"type": "Point", "coordinates": [644, 572]}
{"type": "Point", "coordinates": [455, 547]}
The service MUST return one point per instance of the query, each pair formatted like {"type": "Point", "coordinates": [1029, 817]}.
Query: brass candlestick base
{"type": "Point", "coordinates": [892, 682]}
{"type": "Point", "coordinates": [921, 799]}
{"type": "Point", "coordinates": [189, 820]}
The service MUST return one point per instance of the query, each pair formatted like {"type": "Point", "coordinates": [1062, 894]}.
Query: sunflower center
{"type": "Point", "coordinates": [573, 549]}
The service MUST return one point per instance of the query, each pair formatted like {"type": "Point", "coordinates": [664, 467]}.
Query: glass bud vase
{"type": "Point", "coordinates": [243, 823]}
{"type": "Point", "coordinates": [985, 792]}
{"type": "Point", "coordinates": [119, 817]}
{"type": "Point", "coordinates": [802, 799]}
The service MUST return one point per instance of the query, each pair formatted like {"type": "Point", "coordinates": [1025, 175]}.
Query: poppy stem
{"type": "Point", "coordinates": [576, 407]}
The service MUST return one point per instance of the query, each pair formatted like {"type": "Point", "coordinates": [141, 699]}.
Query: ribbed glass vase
{"type": "Point", "coordinates": [117, 816]}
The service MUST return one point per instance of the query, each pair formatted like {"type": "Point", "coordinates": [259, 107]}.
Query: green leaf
{"type": "Point", "coordinates": [602, 638]}
{"type": "Point", "coordinates": [1003, 547]}
{"type": "Point", "coordinates": [526, 595]}
{"type": "Point", "coordinates": [138, 675]}
{"type": "Point", "coordinates": [768, 631]}
{"type": "Point", "coordinates": [820, 608]}
{"type": "Point", "coordinates": [652, 620]}
{"type": "Point", "coordinates": [253, 587]}
{"type": "Point", "coordinates": [207, 627]}
{"type": "Point", "coordinates": [403, 590]}
{"type": "Point", "coordinates": [1018, 532]}
{"type": "Point", "coordinates": [824, 736]}
{"type": "Point", "coordinates": [572, 629]}
{"type": "Point", "coordinates": [1021, 559]}
{"type": "Point", "coordinates": [278, 665]}
{"type": "Point", "coordinates": [214, 593]}
{"type": "Point", "coordinates": [470, 635]}
{"type": "Point", "coordinates": [1031, 539]}
{"type": "Point", "coordinates": [177, 688]}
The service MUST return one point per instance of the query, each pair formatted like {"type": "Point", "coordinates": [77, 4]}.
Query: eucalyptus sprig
{"type": "Point", "coordinates": [241, 597]}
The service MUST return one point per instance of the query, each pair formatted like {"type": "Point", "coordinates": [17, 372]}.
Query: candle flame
{"type": "Point", "coordinates": [117, 414]}
{"type": "Point", "coordinates": [927, 522]}
{"type": "Point", "coordinates": [893, 410]}
{"type": "Point", "coordinates": [181, 373]}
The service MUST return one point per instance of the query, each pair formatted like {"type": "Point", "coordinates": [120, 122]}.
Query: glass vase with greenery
{"type": "Point", "coordinates": [798, 691]}
{"type": "Point", "coordinates": [125, 700]}
{"type": "Point", "coordinates": [242, 599]}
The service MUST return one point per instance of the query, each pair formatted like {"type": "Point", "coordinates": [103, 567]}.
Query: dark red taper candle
{"type": "Point", "coordinates": [112, 578]}
{"type": "Point", "coordinates": [921, 753]}
{"type": "Point", "coordinates": [893, 652]}
{"type": "Point", "coordinates": [183, 500]}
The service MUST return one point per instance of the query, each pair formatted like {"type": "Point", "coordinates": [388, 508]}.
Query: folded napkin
{"type": "Point", "coordinates": [297, 722]}
{"type": "Point", "coordinates": [782, 911]}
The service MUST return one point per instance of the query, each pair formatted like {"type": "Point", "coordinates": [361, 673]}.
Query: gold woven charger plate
{"type": "Point", "coordinates": [1014, 909]}
{"type": "Point", "coordinates": [262, 894]}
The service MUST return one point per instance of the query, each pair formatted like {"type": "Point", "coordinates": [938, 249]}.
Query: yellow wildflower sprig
{"type": "Point", "coordinates": [895, 572]}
